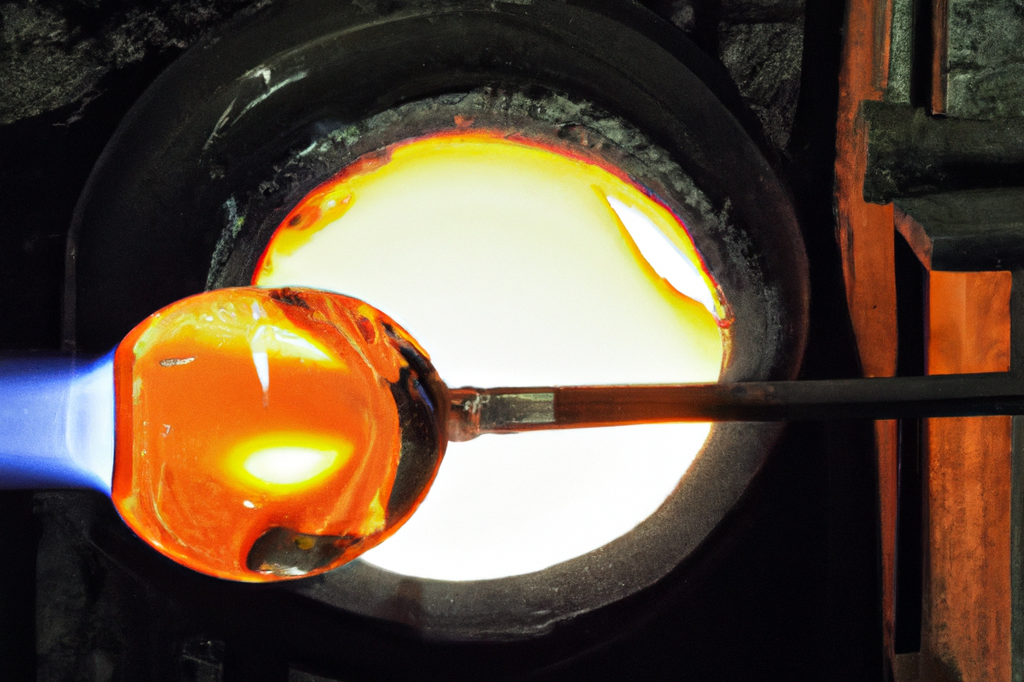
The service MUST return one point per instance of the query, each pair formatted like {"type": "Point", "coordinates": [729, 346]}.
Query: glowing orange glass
{"type": "Point", "coordinates": [260, 431]}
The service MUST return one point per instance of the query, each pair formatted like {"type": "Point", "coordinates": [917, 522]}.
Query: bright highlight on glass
{"type": "Point", "coordinates": [289, 465]}
{"type": "Point", "coordinates": [517, 263]}
{"type": "Point", "coordinates": [286, 462]}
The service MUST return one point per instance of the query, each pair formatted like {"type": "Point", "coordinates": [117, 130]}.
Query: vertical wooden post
{"type": "Point", "coordinates": [967, 489]}
{"type": "Point", "coordinates": [865, 231]}
{"type": "Point", "coordinates": [865, 235]}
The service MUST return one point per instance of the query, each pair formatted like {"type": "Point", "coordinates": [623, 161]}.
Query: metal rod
{"type": "Point", "coordinates": [507, 410]}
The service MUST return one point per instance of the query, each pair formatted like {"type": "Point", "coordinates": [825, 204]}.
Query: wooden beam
{"type": "Point", "coordinates": [967, 489]}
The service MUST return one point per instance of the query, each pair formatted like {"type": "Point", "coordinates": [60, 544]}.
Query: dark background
{"type": "Point", "coordinates": [788, 588]}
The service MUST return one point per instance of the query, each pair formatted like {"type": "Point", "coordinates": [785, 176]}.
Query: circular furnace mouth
{"type": "Point", "coordinates": [518, 258]}
{"type": "Point", "coordinates": [203, 171]}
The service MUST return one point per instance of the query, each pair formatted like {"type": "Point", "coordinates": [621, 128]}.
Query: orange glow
{"type": "Point", "coordinates": [967, 595]}
{"type": "Point", "coordinates": [243, 410]}
{"type": "Point", "coordinates": [518, 262]}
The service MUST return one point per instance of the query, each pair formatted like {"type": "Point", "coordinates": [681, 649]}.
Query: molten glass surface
{"type": "Point", "coordinates": [519, 262]}
{"type": "Point", "coordinates": [271, 433]}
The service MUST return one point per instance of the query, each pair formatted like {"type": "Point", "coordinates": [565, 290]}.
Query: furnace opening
{"type": "Point", "coordinates": [518, 262]}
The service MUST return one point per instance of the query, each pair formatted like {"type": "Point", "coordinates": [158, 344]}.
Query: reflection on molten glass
{"type": "Point", "coordinates": [287, 466]}
{"type": "Point", "coordinates": [517, 263]}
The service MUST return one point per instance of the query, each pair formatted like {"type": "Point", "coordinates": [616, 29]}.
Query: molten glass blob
{"type": "Point", "coordinates": [272, 433]}
{"type": "Point", "coordinates": [519, 262]}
